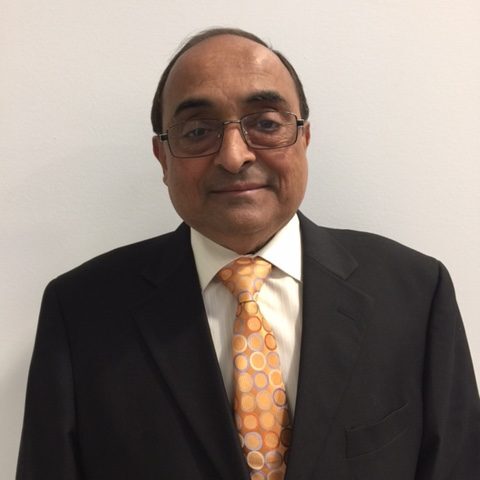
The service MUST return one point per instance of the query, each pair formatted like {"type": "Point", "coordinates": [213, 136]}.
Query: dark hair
{"type": "Point", "coordinates": [157, 106]}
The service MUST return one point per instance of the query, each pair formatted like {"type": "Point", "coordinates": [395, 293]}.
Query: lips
{"type": "Point", "coordinates": [238, 187]}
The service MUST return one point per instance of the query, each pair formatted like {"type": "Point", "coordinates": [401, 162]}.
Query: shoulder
{"type": "Point", "coordinates": [126, 261]}
{"type": "Point", "coordinates": [375, 256]}
{"type": "Point", "coordinates": [369, 246]}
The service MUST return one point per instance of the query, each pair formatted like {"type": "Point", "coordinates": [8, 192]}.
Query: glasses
{"type": "Point", "coordinates": [260, 131]}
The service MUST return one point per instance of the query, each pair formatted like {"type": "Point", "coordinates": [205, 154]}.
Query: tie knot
{"type": "Point", "coordinates": [245, 276]}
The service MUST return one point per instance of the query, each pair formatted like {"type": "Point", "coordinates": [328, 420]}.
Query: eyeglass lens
{"type": "Point", "coordinates": [262, 130]}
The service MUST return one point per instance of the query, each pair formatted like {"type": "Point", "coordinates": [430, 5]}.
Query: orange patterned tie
{"type": "Point", "coordinates": [260, 403]}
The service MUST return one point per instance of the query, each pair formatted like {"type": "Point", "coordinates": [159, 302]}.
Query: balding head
{"type": "Point", "coordinates": [157, 106]}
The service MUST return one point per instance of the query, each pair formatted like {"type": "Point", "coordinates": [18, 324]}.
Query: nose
{"type": "Point", "coordinates": [234, 153]}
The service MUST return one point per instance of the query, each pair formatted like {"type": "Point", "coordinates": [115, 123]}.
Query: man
{"type": "Point", "coordinates": [142, 353]}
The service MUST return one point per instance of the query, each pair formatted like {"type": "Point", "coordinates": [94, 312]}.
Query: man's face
{"type": "Point", "coordinates": [238, 197]}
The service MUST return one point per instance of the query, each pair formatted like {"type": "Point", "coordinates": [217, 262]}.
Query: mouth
{"type": "Point", "coordinates": [239, 188]}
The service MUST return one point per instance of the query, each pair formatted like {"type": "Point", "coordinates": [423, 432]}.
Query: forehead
{"type": "Point", "coordinates": [228, 75]}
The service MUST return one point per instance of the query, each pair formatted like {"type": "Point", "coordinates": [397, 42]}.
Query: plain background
{"type": "Point", "coordinates": [394, 90]}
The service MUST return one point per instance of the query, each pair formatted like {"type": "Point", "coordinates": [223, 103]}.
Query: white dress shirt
{"type": "Point", "coordinates": [279, 300]}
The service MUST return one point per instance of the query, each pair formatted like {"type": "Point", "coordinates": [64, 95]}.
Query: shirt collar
{"type": "Point", "coordinates": [210, 257]}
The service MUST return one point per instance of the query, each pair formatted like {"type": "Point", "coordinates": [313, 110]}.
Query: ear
{"type": "Point", "coordinates": [159, 152]}
{"type": "Point", "coordinates": [306, 132]}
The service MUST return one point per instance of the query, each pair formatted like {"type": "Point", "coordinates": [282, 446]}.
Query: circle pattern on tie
{"type": "Point", "coordinates": [260, 403]}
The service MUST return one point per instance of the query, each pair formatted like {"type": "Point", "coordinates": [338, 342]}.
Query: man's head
{"type": "Point", "coordinates": [241, 195]}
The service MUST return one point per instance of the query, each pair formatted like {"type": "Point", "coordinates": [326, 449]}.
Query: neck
{"type": "Point", "coordinates": [244, 246]}
{"type": "Point", "coordinates": [243, 241]}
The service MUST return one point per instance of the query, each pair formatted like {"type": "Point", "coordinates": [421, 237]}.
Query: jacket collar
{"type": "Point", "coordinates": [320, 246]}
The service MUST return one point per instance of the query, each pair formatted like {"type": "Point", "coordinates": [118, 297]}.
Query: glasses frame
{"type": "Point", "coordinates": [299, 122]}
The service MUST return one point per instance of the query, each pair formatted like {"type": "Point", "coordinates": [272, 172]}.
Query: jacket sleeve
{"type": "Point", "coordinates": [48, 447]}
{"type": "Point", "coordinates": [451, 431]}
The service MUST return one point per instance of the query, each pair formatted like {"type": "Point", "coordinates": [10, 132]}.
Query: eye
{"type": "Point", "coordinates": [263, 123]}
{"type": "Point", "coordinates": [267, 125]}
{"type": "Point", "coordinates": [196, 130]}
{"type": "Point", "coordinates": [196, 133]}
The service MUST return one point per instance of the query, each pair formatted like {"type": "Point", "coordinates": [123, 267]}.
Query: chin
{"type": "Point", "coordinates": [255, 230]}
{"type": "Point", "coordinates": [246, 220]}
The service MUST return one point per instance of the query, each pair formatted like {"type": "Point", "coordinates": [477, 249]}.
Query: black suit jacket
{"type": "Point", "coordinates": [124, 381]}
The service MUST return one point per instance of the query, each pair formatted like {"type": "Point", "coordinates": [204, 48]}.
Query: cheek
{"type": "Point", "coordinates": [299, 167]}
{"type": "Point", "coordinates": [184, 181]}
{"type": "Point", "coordinates": [292, 173]}
{"type": "Point", "coordinates": [297, 181]}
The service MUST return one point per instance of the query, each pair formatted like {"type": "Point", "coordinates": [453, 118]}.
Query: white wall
{"type": "Point", "coordinates": [394, 91]}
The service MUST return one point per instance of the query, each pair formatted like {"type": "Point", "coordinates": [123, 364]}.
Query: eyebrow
{"type": "Point", "coordinates": [262, 96]}
{"type": "Point", "coordinates": [270, 96]}
{"type": "Point", "coordinates": [190, 103]}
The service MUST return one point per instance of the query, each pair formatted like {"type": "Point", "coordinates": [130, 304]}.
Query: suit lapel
{"type": "Point", "coordinates": [174, 326]}
{"type": "Point", "coordinates": [335, 316]}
